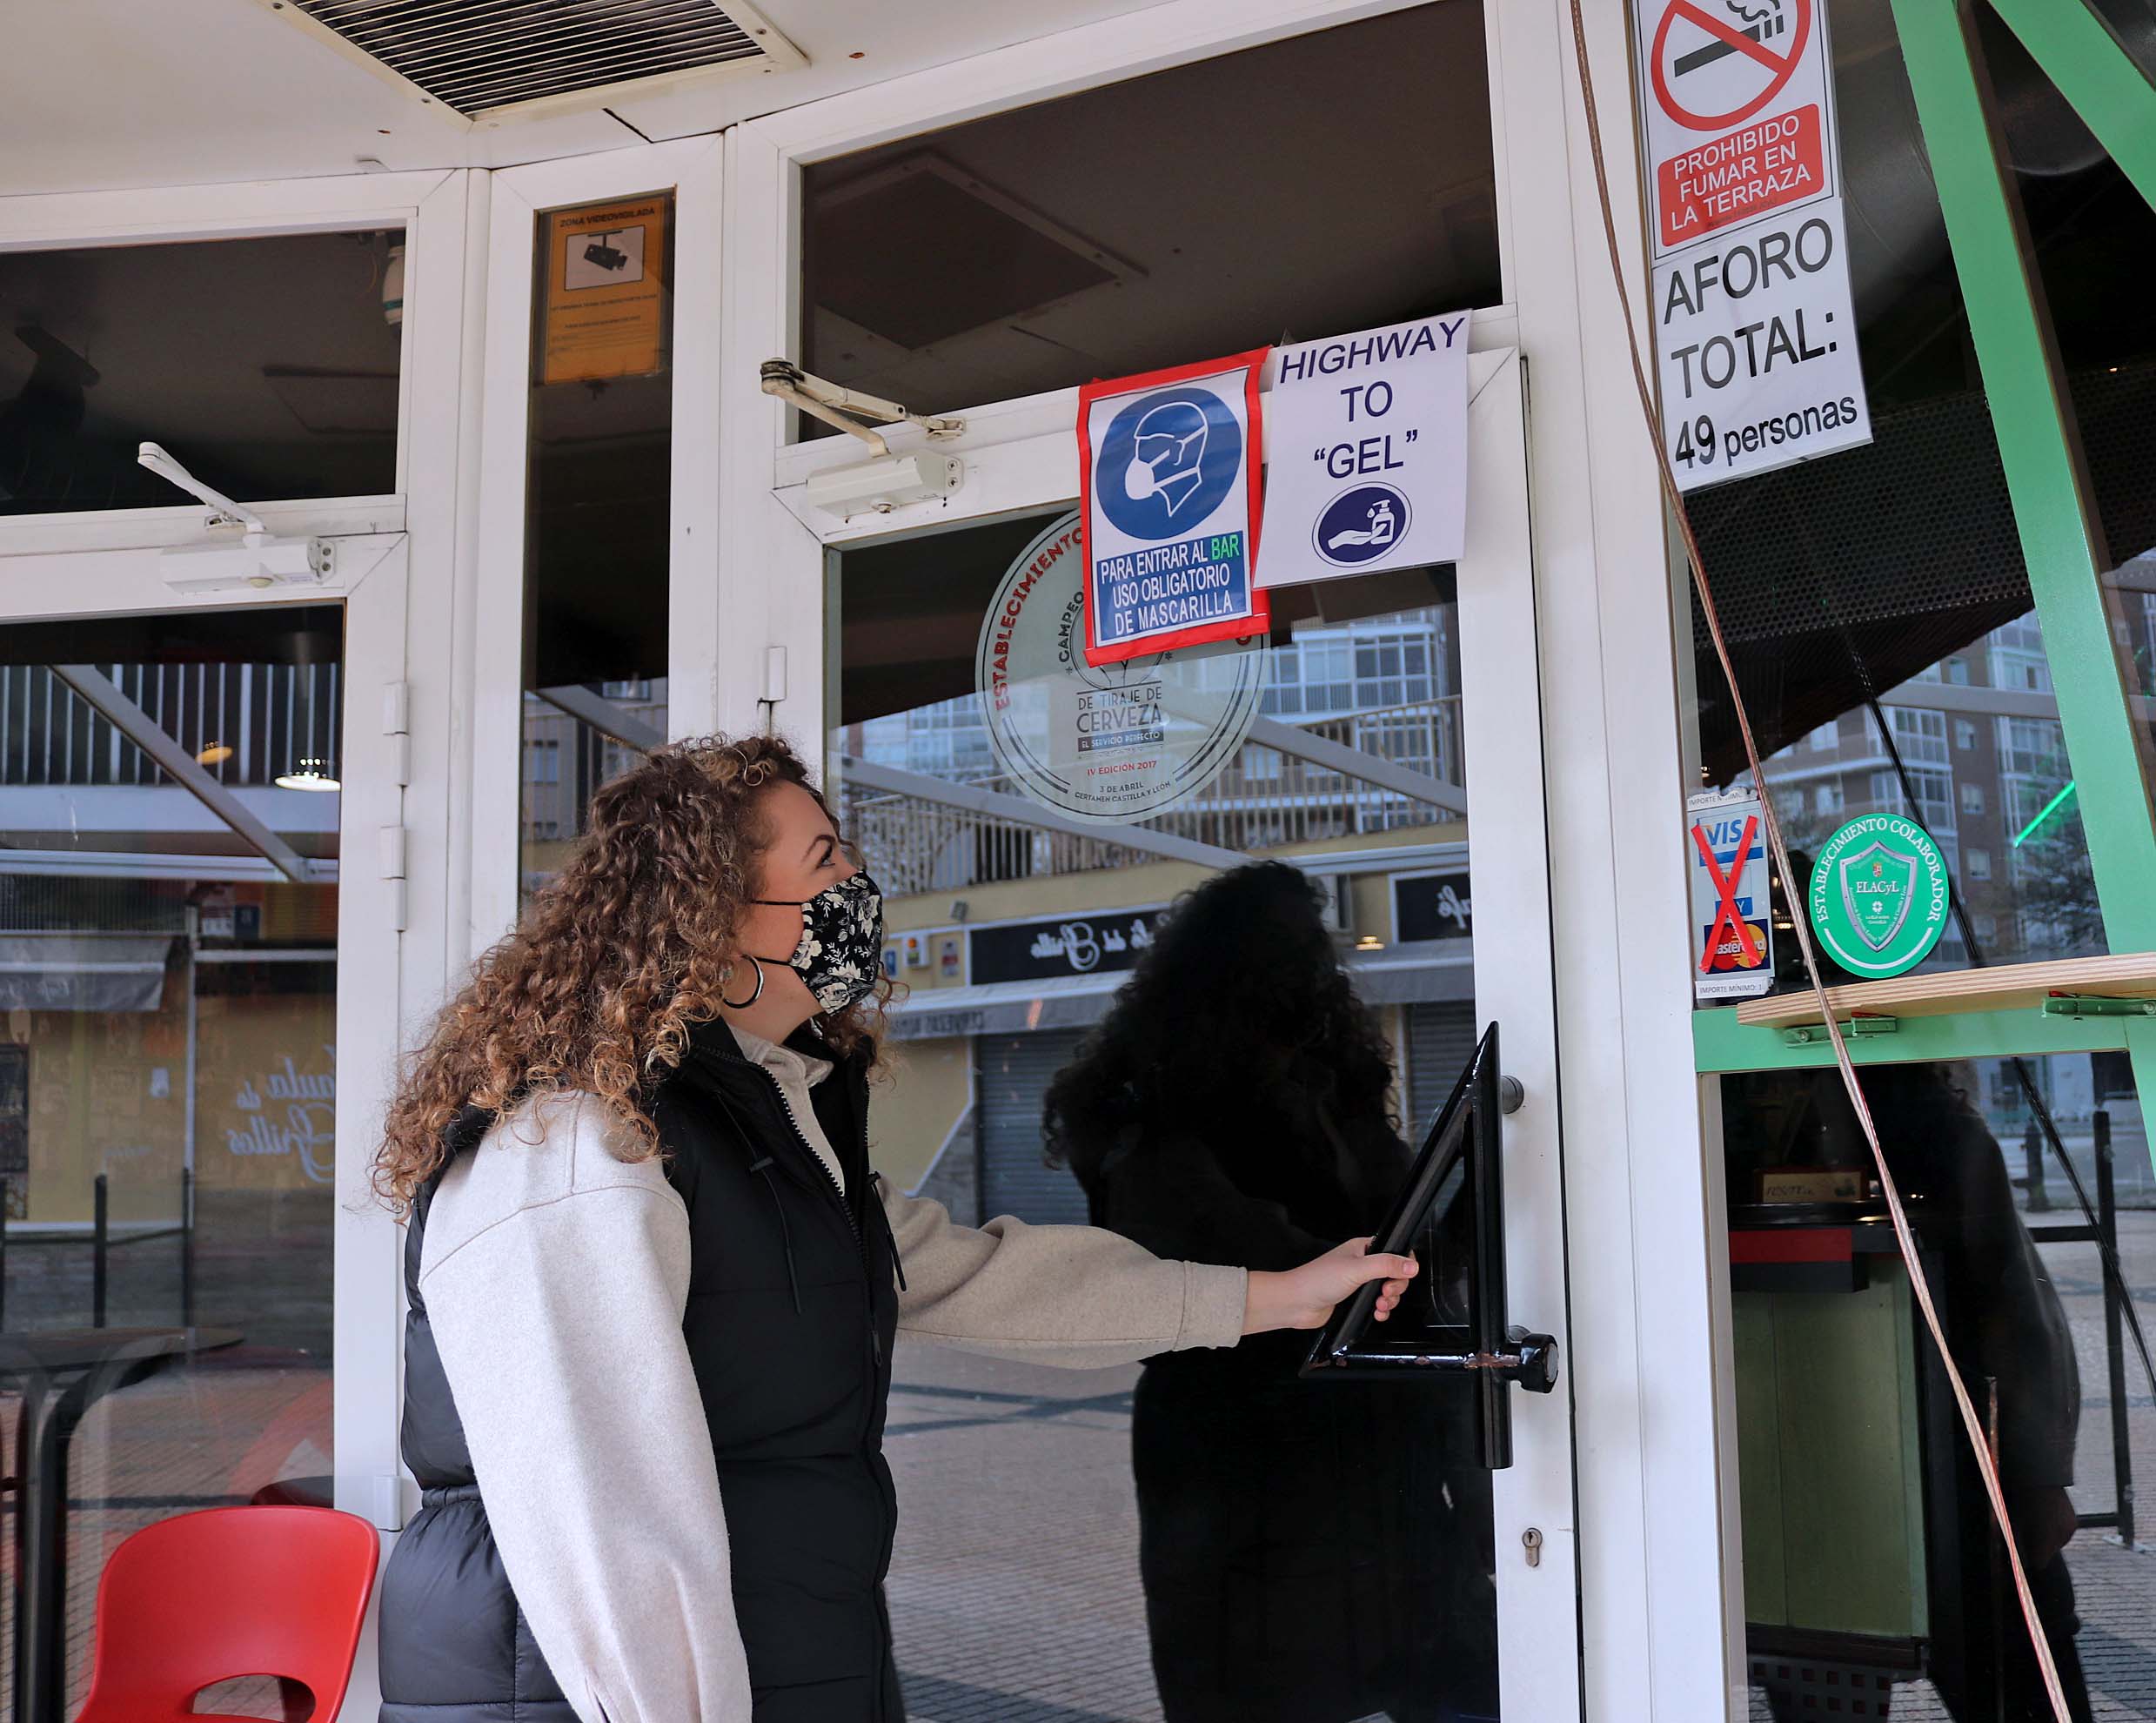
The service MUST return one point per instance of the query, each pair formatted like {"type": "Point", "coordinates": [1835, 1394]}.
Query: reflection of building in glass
{"type": "Point", "coordinates": [1386, 686]}
{"type": "Point", "coordinates": [564, 760]}
{"type": "Point", "coordinates": [168, 994]}
{"type": "Point", "coordinates": [1980, 739]}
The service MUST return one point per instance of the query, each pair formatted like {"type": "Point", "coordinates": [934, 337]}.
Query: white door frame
{"type": "Point", "coordinates": [691, 169]}
{"type": "Point", "coordinates": [1661, 1571]}
{"type": "Point", "coordinates": [404, 576]}
{"type": "Point", "coordinates": [380, 971]}
{"type": "Point", "coordinates": [1659, 1622]}
{"type": "Point", "coordinates": [1538, 1605]}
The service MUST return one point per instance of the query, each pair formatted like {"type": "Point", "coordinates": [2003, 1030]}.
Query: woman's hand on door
{"type": "Point", "coordinates": [1303, 1298]}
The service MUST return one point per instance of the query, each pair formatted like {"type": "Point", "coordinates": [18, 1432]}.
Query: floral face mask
{"type": "Point", "coordinates": [842, 947]}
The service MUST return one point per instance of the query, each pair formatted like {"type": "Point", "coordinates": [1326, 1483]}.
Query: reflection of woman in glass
{"type": "Point", "coordinates": [1309, 1554]}
{"type": "Point", "coordinates": [2009, 1335]}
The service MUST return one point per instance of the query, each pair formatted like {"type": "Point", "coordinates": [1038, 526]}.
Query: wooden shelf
{"type": "Point", "coordinates": [2005, 987]}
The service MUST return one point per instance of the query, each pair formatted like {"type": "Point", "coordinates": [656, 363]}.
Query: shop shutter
{"type": "Point", "coordinates": [1014, 1073]}
{"type": "Point", "coordinates": [1441, 1040]}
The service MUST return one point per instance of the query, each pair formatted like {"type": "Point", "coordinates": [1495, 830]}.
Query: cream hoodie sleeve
{"type": "Point", "coordinates": [1073, 1295]}
{"type": "Point", "coordinates": [555, 1277]}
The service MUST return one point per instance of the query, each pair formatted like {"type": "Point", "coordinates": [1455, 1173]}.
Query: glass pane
{"type": "Point", "coordinates": [1886, 641]}
{"type": "Point", "coordinates": [2091, 232]}
{"type": "Point", "coordinates": [1210, 208]}
{"type": "Point", "coordinates": [168, 1065]}
{"type": "Point", "coordinates": [598, 487]}
{"type": "Point", "coordinates": [1872, 1570]}
{"type": "Point", "coordinates": [1231, 1565]}
{"type": "Point", "coordinates": [269, 367]}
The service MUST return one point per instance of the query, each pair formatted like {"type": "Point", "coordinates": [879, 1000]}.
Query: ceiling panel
{"type": "Point", "coordinates": [107, 94]}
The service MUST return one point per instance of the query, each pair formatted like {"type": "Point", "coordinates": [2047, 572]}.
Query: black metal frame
{"type": "Point", "coordinates": [1486, 1350]}
{"type": "Point", "coordinates": [102, 1244]}
{"type": "Point", "coordinates": [2105, 1236]}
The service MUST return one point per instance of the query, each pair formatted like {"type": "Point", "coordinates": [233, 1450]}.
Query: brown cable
{"type": "Point", "coordinates": [1972, 1422]}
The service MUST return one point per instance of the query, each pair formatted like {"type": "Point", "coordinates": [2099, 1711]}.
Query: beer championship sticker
{"type": "Point", "coordinates": [1113, 743]}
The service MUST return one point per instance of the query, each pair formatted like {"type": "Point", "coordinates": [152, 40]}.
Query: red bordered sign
{"type": "Point", "coordinates": [1169, 489]}
{"type": "Point", "coordinates": [1755, 60]}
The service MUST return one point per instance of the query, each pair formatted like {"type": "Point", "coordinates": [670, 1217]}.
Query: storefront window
{"type": "Point", "coordinates": [269, 367]}
{"type": "Point", "coordinates": [2091, 231]}
{"type": "Point", "coordinates": [1220, 1541]}
{"type": "Point", "coordinates": [168, 1067]}
{"type": "Point", "coordinates": [1878, 610]}
{"type": "Point", "coordinates": [1210, 208]}
{"type": "Point", "coordinates": [600, 481]}
{"type": "Point", "coordinates": [1872, 1573]}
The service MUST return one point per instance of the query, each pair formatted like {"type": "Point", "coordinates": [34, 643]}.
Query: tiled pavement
{"type": "Point", "coordinates": [1014, 1584]}
{"type": "Point", "coordinates": [1015, 1593]}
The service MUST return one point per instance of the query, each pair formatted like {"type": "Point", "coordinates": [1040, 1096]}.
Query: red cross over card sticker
{"type": "Point", "coordinates": [1739, 122]}
{"type": "Point", "coordinates": [1728, 863]}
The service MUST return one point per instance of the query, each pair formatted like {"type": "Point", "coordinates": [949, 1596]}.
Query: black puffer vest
{"type": "Point", "coordinates": [791, 1314]}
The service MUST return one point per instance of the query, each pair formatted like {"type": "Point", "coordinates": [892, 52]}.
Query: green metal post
{"type": "Point", "coordinates": [2080, 54]}
{"type": "Point", "coordinates": [2038, 445]}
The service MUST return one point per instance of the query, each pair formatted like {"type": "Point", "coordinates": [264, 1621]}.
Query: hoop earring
{"type": "Point", "coordinates": [742, 1005]}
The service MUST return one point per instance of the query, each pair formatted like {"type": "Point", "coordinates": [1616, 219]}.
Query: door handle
{"type": "Point", "coordinates": [1487, 1352]}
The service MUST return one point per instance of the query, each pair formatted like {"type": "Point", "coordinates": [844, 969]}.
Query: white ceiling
{"type": "Point", "coordinates": [100, 94]}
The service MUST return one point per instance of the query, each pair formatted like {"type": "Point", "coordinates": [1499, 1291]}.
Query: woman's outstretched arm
{"type": "Point", "coordinates": [1079, 1297]}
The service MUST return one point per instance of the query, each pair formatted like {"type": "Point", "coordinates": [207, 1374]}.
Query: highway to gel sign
{"type": "Point", "coordinates": [1368, 468]}
{"type": "Point", "coordinates": [1755, 336]}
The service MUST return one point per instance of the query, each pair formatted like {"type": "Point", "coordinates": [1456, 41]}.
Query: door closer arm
{"type": "Point", "coordinates": [844, 409]}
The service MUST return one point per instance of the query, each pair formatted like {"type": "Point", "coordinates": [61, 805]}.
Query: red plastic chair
{"type": "Point", "coordinates": [226, 1593]}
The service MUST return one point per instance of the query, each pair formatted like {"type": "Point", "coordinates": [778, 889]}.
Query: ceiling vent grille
{"type": "Point", "coordinates": [484, 58]}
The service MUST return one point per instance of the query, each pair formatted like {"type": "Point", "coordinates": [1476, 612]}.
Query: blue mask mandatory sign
{"type": "Point", "coordinates": [1171, 484]}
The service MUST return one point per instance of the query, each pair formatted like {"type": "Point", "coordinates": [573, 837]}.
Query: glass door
{"type": "Point", "coordinates": [595, 499]}
{"type": "Point", "coordinates": [1331, 881]}
{"type": "Point", "coordinates": [201, 895]}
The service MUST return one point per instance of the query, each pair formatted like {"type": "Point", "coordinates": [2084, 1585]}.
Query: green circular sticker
{"type": "Point", "coordinates": [1878, 896]}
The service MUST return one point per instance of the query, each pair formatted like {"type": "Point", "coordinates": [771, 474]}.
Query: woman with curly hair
{"type": "Point", "coordinates": [654, 1283]}
{"type": "Point", "coordinates": [1311, 1552]}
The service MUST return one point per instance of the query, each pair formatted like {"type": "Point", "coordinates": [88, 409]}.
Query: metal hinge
{"type": "Point", "coordinates": [1806, 1034]}
{"type": "Point", "coordinates": [2097, 1005]}
{"type": "Point", "coordinates": [397, 725]}
{"type": "Point", "coordinates": [394, 840]}
{"type": "Point", "coordinates": [774, 686]}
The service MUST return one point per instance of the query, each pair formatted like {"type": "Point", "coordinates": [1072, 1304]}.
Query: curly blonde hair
{"type": "Point", "coordinates": [614, 960]}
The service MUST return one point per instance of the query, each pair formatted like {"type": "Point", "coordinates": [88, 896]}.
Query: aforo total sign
{"type": "Point", "coordinates": [1755, 334]}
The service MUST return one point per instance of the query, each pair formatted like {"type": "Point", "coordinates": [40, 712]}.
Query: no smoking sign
{"type": "Point", "coordinates": [1715, 65]}
{"type": "Point", "coordinates": [1755, 335]}
{"type": "Point", "coordinates": [1739, 126]}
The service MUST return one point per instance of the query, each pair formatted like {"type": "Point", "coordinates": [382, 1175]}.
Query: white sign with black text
{"type": "Point", "coordinates": [1758, 349]}
{"type": "Point", "coordinates": [1755, 334]}
{"type": "Point", "coordinates": [1367, 466]}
